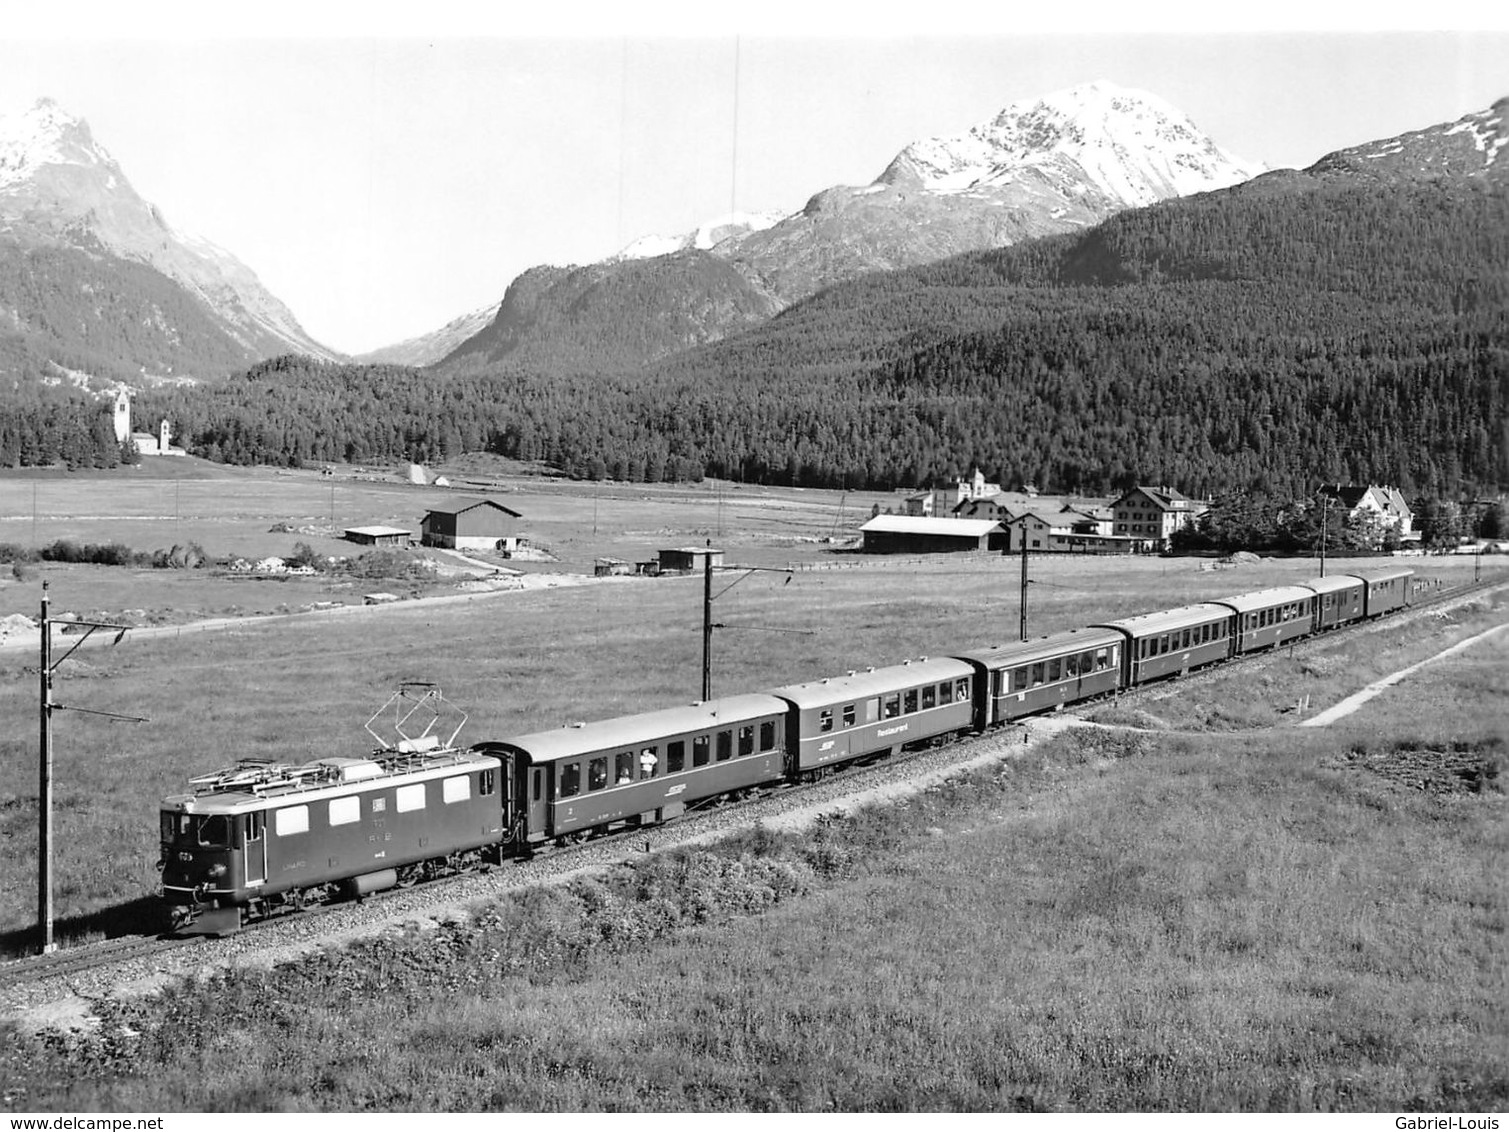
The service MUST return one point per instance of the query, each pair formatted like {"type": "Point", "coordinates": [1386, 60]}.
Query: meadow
{"type": "Point", "coordinates": [1215, 909]}
{"type": "Point", "coordinates": [1121, 920]}
{"type": "Point", "coordinates": [301, 687]}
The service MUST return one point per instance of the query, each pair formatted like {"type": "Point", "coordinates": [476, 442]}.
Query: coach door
{"type": "Point", "coordinates": [256, 848]}
{"type": "Point", "coordinates": [536, 800]}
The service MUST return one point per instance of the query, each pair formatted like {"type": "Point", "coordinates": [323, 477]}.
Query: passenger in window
{"type": "Point", "coordinates": [647, 761]}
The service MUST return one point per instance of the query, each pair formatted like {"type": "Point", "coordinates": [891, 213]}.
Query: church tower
{"type": "Point", "coordinates": [122, 417]}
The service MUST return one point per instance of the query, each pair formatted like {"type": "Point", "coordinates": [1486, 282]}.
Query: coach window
{"type": "Point", "coordinates": [961, 689]}
{"type": "Point", "coordinates": [623, 767]}
{"type": "Point", "coordinates": [825, 719]}
{"type": "Point", "coordinates": [909, 701]}
{"type": "Point", "coordinates": [892, 707]}
{"type": "Point", "coordinates": [725, 745]}
{"type": "Point", "coordinates": [929, 696]}
{"type": "Point", "coordinates": [946, 692]}
{"type": "Point", "coordinates": [1071, 666]}
{"type": "Point", "coordinates": [487, 782]}
{"type": "Point", "coordinates": [848, 715]}
{"type": "Point", "coordinates": [597, 773]}
{"type": "Point", "coordinates": [701, 750]}
{"type": "Point", "coordinates": [1102, 660]}
{"type": "Point", "coordinates": [675, 756]}
{"type": "Point", "coordinates": [571, 780]}
{"type": "Point", "coordinates": [1038, 670]}
{"type": "Point", "coordinates": [344, 811]}
{"type": "Point", "coordinates": [1055, 670]}
{"type": "Point", "coordinates": [408, 798]}
{"type": "Point", "coordinates": [746, 740]}
{"type": "Point", "coordinates": [767, 730]}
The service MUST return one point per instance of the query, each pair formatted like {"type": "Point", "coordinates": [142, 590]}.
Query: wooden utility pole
{"type": "Point", "coordinates": [708, 624]}
{"type": "Point", "coordinates": [44, 773]}
{"type": "Point", "coordinates": [44, 790]}
{"type": "Point", "coordinates": [1023, 627]}
{"type": "Point", "coordinates": [1325, 515]}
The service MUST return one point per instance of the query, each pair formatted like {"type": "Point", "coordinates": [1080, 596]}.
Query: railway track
{"type": "Point", "coordinates": [80, 960]}
{"type": "Point", "coordinates": [70, 961]}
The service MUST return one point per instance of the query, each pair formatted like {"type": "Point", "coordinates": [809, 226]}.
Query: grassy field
{"type": "Point", "coordinates": [1121, 921]}
{"type": "Point", "coordinates": [301, 687]}
{"type": "Point", "coordinates": [1222, 911]}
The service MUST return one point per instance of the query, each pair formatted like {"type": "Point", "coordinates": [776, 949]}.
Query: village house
{"type": "Point", "coordinates": [1384, 507]}
{"type": "Point", "coordinates": [1151, 515]}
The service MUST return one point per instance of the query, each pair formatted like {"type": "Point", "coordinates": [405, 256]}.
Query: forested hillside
{"type": "Point", "coordinates": [1285, 333]}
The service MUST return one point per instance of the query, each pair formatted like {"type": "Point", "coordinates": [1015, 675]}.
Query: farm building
{"type": "Point", "coordinates": [476, 524]}
{"type": "Point", "coordinates": [686, 559]}
{"type": "Point", "coordinates": [379, 536]}
{"type": "Point", "coordinates": [1067, 531]}
{"type": "Point", "coordinates": [909, 534]}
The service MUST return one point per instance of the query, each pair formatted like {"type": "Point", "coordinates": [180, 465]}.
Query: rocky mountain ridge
{"type": "Point", "coordinates": [62, 192]}
{"type": "Point", "coordinates": [1041, 166]}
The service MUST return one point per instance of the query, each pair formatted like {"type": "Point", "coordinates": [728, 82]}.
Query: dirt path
{"type": "Point", "coordinates": [1347, 706]}
{"type": "Point", "coordinates": [30, 640]}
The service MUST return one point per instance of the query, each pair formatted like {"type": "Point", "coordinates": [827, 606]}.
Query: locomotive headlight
{"type": "Point", "coordinates": [215, 871]}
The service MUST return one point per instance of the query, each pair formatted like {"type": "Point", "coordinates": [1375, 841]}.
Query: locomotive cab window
{"type": "Point", "coordinates": [208, 830]}
{"type": "Point", "coordinates": [409, 798]}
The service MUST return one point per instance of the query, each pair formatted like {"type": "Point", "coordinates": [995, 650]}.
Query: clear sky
{"type": "Point", "coordinates": [385, 170]}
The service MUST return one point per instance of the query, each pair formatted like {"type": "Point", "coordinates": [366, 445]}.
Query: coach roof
{"type": "Point", "coordinates": [648, 727]}
{"type": "Point", "coordinates": [873, 681]}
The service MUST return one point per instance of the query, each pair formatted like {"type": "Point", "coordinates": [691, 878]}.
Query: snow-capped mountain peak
{"type": "Point", "coordinates": [58, 185]}
{"type": "Point", "coordinates": [45, 134]}
{"type": "Point", "coordinates": [1130, 145]}
{"type": "Point", "coordinates": [707, 235]}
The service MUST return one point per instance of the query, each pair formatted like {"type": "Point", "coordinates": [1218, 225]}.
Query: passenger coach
{"type": "Point", "coordinates": [1174, 641]}
{"type": "Point", "coordinates": [1338, 600]}
{"type": "Point", "coordinates": [849, 717]}
{"type": "Point", "coordinates": [639, 769]}
{"type": "Point", "coordinates": [1032, 676]}
{"type": "Point", "coordinates": [1269, 618]}
{"type": "Point", "coordinates": [1386, 589]}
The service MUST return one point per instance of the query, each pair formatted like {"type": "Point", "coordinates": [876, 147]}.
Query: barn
{"type": "Point", "coordinates": [912, 534]}
{"type": "Point", "coordinates": [379, 536]}
{"type": "Point", "coordinates": [476, 524]}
